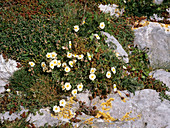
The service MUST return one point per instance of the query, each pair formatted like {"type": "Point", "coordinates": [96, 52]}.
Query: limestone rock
{"type": "Point", "coordinates": [163, 76]}
{"type": "Point", "coordinates": [154, 113]}
{"type": "Point", "coordinates": [7, 68]}
{"type": "Point", "coordinates": [146, 109]}
{"type": "Point", "coordinates": [112, 9]}
{"type": "Point", "coordinates": [111, 41]}
{"type": "Point", "coordinates": [154, 38]}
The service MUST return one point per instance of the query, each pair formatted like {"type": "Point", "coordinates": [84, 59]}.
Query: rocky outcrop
{"type": "Point", "coordinates": [144, 109]}
{"type": "Point", "coordinates": [156, 39]}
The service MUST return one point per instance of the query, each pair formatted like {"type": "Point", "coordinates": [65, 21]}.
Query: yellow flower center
{"type": "Point", "coordinates": [74, 92]}
{"type": "Point", "coordinates": [55, 62]}
{"type": "Point", "coordinates": [102, 25]}
{"type": "Point", "coordinates": [66, 69]}
{"type": "Point", "coordinates": [69, 54]}
{"type": "Point", "coordinates": [89, 56]}
{"type": "Point", "coordinates": [52, 65]}
{"type": "Point", "coordinates": [92, 76]}
{"type": "Point", "coordinates": [31, 63]}
{"type": "Point", "coordinates": [53, 55]}
{"type": "Point", "coordinates": [67, 86]}
{"type": "Point", "coordinates": [80, 87]}
{"type": "Point", "coordinates": [59, 63]}
{"type": "Point", "coordinates": [48, 55]}
{"type": "Point", "coordinates": [43, 65]}
{"type": "Point", "coordinates": [109, 74]}
{"type": "Point", "coordinates": [75, 27]}
{"type": "Point", "coordinates": [62, 102]}
{"type": "Point", "coordinates": [56, 108]}
{"type": "Point", "coordinates": [113, 69]}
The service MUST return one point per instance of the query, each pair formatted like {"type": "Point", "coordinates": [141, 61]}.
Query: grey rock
{"type": "Point", "coordinates": [111, 41]}
{"type": "Point", "coordinates": [158, 1]}
{"type": "Point", "coordinates": [154, 113]}
{"type": "Point", "coordinates": [163, 76]}
{"type": "Point", "coordinates": [7, 68]}
{"type": "Point", "coordinates": [112, 9]}
{"type": "Point", "coordinates": [154, 39]}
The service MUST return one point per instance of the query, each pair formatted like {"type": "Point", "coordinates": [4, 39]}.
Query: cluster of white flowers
{"type": "Point", "coordinates": [92, 76]}
{"type": "Point", "coordinates": [57, 108]}
{"type": "Point", "coordinates": [67, 86]}
{"type": "Point", "coordinates": [108, 74]}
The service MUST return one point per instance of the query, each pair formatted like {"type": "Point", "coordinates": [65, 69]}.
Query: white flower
{"type": "Point", "coordinates": [58, 63]}
{"type": "Point", "coordinates": [92, 76]}
{"type": "Point", "coordinates": [74, 92]}
{"type": "Point", "coordinates": [63, 47]}
{"type": "Point", "coordinates": [80, 87]}
{"type": "Point", "coordinates": [83, 22]}
{"type": "Point", "coordinates": [55, 62]}
{"type": "Point", "coordinates": [117, 54]}
{"type": "Point", "coordinates": [43, 65]}
{"type": "Point", "coordinates": [63, 87]}
{"type": "Point", "coordinates": [89, 56]}
{"type": "Point", "coordinates": [92, 70]}
{"type": "Point", "coordinates": [69, 55]}
{"type": "Point", "coordinates": [56, 109]}
{"type": "Point", "coordinates": [8, 90]}
{"type": "Point", "coordinates": [113, 70]}
{"type": "Point", "coordinates": [64, 64]}
{"type": "Point", "coordinates": [76, 28]}
{"type": "Point", "coordinates": [51, 65]}
{"type": "Point", "coordinates": [102, 25]}
{"type": "Point", "coordinates": [75, 55]}
{"type": "Point", "coordinates": [70, 44]}
{"type": "Point", "coordinates": [67, 86]}
{"type": "Point", "coordinates": [67, 69]}
{"type": "Point", "coordinates": [62, 102]}
{"type": "Point", "coordinates": [115, 88]}
{"type": "Point", "coordinates": [97, 36]}
{"type": "Point", "coordinates": [74, 61]}
{"type": "Point", "coordinates": [31, 64]}
{"type": "Point", "coordinates": [80, 56]}
{"type": "Point", "coordinates": [48, 55]}
{"type": "Point", "coordinates": [108, 74]}
{"type": "Point", "coordinates": [124, 67]}
{"type": "Point", "coordinates": [53, 55]}
{"type": "Point", "coordinates": [71, 63]}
